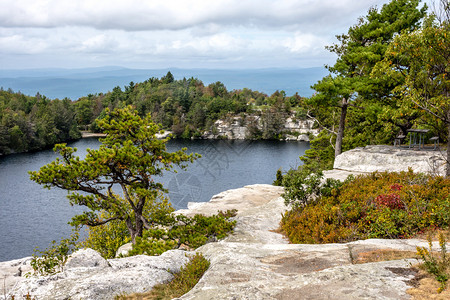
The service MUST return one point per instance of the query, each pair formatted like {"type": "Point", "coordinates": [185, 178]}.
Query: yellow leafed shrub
{"type": "Point", "coordinates": [378, 205]}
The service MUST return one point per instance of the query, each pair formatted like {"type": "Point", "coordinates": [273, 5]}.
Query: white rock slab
{"type": "Point", "coordinates": [255, 262]}
{"type": "Point", "coordinates": [392, 159]}
{"type": "Point", "coordinates": [89, 276]}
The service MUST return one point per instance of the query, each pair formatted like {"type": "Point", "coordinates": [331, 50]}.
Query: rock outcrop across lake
{"type": "Point", "coordinates": [241, 127]}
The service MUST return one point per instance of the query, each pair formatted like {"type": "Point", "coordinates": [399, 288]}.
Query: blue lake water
{"type": "Point", "coordinates": [32, 216]}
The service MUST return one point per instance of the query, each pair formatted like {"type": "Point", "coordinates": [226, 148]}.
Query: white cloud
{"type": "Point", "coordinates": [303, 43]}
{"type": "Point", "coordinates": [17, 42]}
{"type": "Point", "coordinates": [184, 33]}
{"type": "Point", "coordinates": [135, 15]}
{"type": "Point", "coordinates": [98, 43]}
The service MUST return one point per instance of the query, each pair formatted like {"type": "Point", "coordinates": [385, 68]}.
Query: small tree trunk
{"type": "Point", "coordinates": [131, 230]}
{"type": "Point", "coordinates": [136, 229]}
{"type": "Point", "coordinates": [139, 224]}
{"type": "Point", "coordinates": [447, 172]}
{"type": "Point", "coordinates": [340, 134]}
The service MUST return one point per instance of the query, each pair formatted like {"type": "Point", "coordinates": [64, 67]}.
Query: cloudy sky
{"type": "Point", "coordinates": [173, 33]}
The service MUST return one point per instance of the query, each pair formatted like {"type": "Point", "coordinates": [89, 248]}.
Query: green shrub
{"type": "Point", "coordinates": [436, 265]}
{"type": "Point", "coordinates": [321, 152]}
{"type": "Point", "coordinates": [192, 232]}
{"type": "Point", "coordinates": [301, 186]}
{"type": "Point", "coordinates": [378, 205]}
{"type": "Point", "coordinates": [52, 260]}
{"type": "Point", "coordinates": [332, 186]}
{"type": "Point", "coordinates": [279, 178]}
{"type": "Point", "coordinates": [189, 275]}
{"type": "Point", "coordinates": [306, 184]}
{"type": "Point", "coordinates": [107, 238]}
{"type": "Point", "coordinates": [150, 246]}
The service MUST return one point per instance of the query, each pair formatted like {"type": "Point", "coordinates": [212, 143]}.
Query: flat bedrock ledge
{"type": "Point", "coordinates": [392, 159]}
{"type": "Point", "coordinates": [257, 263]}
{"type": "Point", "coordinates": [254, 262]}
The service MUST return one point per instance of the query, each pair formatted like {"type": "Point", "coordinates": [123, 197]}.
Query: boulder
{"type": "Point", "coordinates": [392, 159]}
{"type": "Point", "coordinates": [88, 276]}
{"type": "Point", "coordinates": [86, 258]}
{"type": "Point", "coordinates": [303, 138]}
{"type": "Point", "coordinates": [124, 249]}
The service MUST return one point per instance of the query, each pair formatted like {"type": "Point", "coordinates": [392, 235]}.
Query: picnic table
{"type": "Point", "coordinates": [417, 137]}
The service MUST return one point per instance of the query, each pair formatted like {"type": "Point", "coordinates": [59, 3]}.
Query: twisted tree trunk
{"type": "Point", "coordinates": [447, 173]}
{"type": "Point", "coordinates": [340, 134]}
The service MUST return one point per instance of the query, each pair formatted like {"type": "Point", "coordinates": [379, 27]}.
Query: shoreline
{"type": "Point", "coordinates": [86, 134]}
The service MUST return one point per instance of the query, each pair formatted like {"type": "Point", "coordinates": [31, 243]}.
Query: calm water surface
{"type": "Point", "coordinates": [32, 216]}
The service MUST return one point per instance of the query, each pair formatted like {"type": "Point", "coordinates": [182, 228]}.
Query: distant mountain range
{"type": "Point", "coordinates": [76, 83]}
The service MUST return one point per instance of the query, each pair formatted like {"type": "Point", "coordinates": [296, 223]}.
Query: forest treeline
{"type": "Point", "coordinates": [186, 107]}
{"type": "Point", "coordinates": [34, 123]}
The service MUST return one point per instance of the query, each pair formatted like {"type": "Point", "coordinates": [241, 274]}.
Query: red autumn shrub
{"type": "Point", "coordinates": [391, 201]}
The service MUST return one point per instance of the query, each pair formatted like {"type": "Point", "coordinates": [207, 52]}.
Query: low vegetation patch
{"type": "Point", "coordinates": [426, 288]}
{"type": "Point", "coordinates": [170, 232]}
{"type": "Point", "coordinates": [52, 259]}
{"type": "Point", "coordinates": [378, 205]}
{"type": "Point", "coordinates": [186, 232]}
{"type": "Point", "coordinates": [383, 255]}
{"type": "Point", "coordinates": [431, 282]}
{"type": "Point", "coordinates": [182, 282]}
{"type": "Point", "coordinates": [436, 264]}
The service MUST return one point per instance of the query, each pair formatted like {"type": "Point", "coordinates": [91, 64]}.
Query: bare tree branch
{"type": "Point", "coordinates": [146, 223]}
{"type": "Point", "coordinates": [444, 119]}
{"type": "Point", "coordinates": [91, 223]}
{"type": "Point", "coordinates": [315, 120]}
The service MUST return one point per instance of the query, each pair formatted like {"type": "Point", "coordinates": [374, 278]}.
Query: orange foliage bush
{"type": "Point", "coordinates": [377, 205]}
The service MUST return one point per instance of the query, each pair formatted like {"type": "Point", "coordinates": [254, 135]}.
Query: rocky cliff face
{"type": "Point", "coordinates": [241, 127]}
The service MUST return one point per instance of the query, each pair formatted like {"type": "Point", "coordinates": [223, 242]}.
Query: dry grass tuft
{"type": "Point", "coordinates": [182, 282]}
{"type": "Point", "coordinates": [434, 233]}
{"type": "Point", "coordinates": [426, 288]}
{"type": "Point", "coordinates": [383, 255]}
